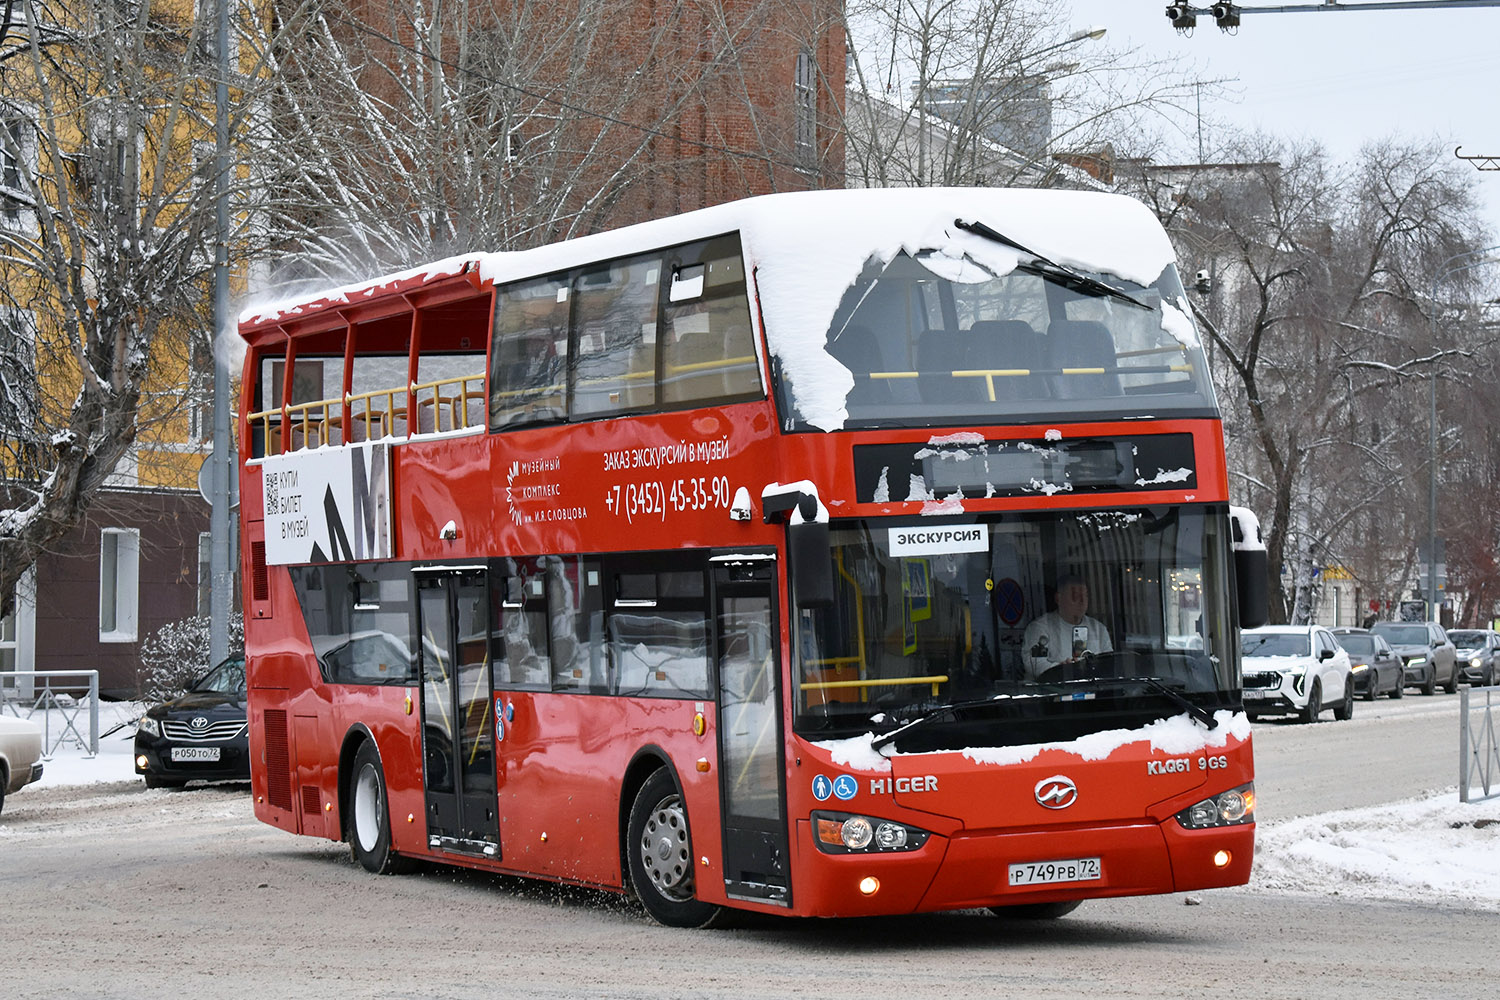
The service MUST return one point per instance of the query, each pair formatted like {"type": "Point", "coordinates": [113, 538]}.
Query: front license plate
{"type": "Point", "coordinates": [1043, 872]}
{"type": "Point", "coordinates": [195, 753]}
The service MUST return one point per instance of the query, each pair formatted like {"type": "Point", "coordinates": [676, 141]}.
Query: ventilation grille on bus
{"type": "Point", "coordinates": [278, 760]}
{"type": "Point", "coordinates": [260, 584]}
{"type": "Point", "coordinates": [311, 800]}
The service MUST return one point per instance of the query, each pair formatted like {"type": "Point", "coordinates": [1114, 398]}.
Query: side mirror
{"type": "Point", "coordinates": [1326, 654]}
{"type": "Point", "coordinates": [808, 540]}
{"type": "Point", "coordinates": [811, 568]}
{"type": "Point", "coordinates": [1249, 568]}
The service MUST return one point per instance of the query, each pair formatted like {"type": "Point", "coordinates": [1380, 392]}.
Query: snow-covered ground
{"type": "Point", "coordinates": [1433, 849]}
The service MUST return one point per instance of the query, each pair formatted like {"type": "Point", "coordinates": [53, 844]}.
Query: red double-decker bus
{"type": "Point", "coordinates": [835, 553]}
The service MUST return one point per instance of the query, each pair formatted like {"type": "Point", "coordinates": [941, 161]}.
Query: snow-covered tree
{"type": "Point", "coordinates": [994, 93]}
{"type": "Point", "coordinates": [106, 211]}
{"type": "Point", "coordinates": [402, 132]}
{"type": "Point", "coordinates": [1319, 329]}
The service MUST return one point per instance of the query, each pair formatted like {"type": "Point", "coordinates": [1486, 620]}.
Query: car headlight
{"type": "Point", "coordinates": [1235, 807]}
{"type": "Point", "coordinates": [148, 725]}
{"type": "Point", "coordinates": [1416, 661]}
{"type": "Point", "coordinates": [842, 833]}
{"type": "Point", "coordinates": [1474, 662]}
{"type": "Point", "coordinates": [1360, 666]}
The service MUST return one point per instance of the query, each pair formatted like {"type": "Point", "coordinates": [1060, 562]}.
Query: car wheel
{"type": "Point", "coordinates": [1344, 711]}
{"type": "Point", "coordinates": [1372, 688]}
{"type": "Point", "coordinates": [1314, 703]}
{"type": "Point", "coordinates": [1036, 911]}
{"type": "Point", "coordinates": [370, 816]}
{"type": "Point", "coordinates": [4, 780]}
{"type": "Point", "coordinates": [1429, 683]}
{"type": "Point", "coordinates": [1399, 691]}
{"type": "Point", "coordinates": [1452, 686]}
{"type": "Point", "coordinates": [659, 851]}
{"type": "Point", "coordinates": [155, 781]}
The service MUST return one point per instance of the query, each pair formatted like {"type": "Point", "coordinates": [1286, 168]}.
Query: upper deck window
{"type": "Point", "coordinates": [933, 338]}
{"type": "Point", "coordinates": [665, 330]}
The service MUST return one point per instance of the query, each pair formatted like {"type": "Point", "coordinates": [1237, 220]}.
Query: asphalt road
{"type": "Point", "coordinates": [111, 891]}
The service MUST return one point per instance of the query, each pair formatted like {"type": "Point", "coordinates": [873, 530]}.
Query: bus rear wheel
{"type": "Point", "coordinates": [659, 850]}
{"type": "Point", "coordinates": [370, 817]}
{"type": "Point", "coordinates": [1037, 911]}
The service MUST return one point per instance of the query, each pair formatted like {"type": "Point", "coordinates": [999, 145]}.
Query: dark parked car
{"type": "Point", "coordinates": [1427, 652]}
{"type": "Point", "coordinates": [1377, 669]}
{"type": "Point", "coordinates": [201, 734]}
{"type": "Point", "coordinates": [1478, 654]}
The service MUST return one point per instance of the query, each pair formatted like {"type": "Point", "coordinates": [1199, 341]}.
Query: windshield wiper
{"type": "Point", "coordinates": [944, 712]}
{"type": "Point", "coordinates": [1047, 267]}
{"type": "Point", "coordinates": [1156, 684]}
{"type": "Point", "coordinates": [1177, 698]}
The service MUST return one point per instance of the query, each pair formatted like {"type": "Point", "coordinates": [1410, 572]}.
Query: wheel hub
{"type": "Point", "coordinates": [665, 852]}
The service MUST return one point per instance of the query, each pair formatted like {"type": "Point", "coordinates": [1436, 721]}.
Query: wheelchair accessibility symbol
{"type": "Point", "coordinates": [845, 787]}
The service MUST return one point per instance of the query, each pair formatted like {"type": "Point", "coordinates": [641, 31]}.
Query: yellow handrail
{"type": "Point", "coordinates": [335, 411]}
{"type": "Point", "coordinates": [934, 680]}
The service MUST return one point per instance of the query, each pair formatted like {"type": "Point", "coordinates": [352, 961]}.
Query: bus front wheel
{"type": "Point", "coordinates": [659, 850]}
{"type": "Point", "coordinates": [369, 816]}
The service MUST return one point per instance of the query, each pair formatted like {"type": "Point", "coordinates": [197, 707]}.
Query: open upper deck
{"type": "Point", "coordinates": [855, 308]}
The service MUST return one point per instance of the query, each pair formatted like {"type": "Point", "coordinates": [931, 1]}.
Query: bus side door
{"type": "Point", "coordinates": [458, 731]}
{"type": "Point", "coordinates": [752, 756]}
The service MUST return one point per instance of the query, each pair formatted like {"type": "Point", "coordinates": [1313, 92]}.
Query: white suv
{"type": "Point", "coordinates": [1295, 669]}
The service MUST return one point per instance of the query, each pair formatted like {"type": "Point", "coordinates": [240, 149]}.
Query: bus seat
{"type": "Point", "coordinates": [470, 408]}
{"type": "Point", "coordinates": [858, 350]}
{"type": "Point", "coordinates": [939, 354]}
{"type": "Point", "coordinates": [1003, 345]}
{"type": "Point", "coordinates": [1082, 344]}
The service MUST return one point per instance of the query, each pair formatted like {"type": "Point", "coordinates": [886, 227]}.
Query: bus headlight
{"type": "Point", "coordinates": [1231, 808]}
{"type": "Point", "coordinates": [843, 833]}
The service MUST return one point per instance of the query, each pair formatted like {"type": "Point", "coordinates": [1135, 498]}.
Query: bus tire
{"type": "Point", "coordinates": [659, 852]}
{"type": "Point", "coordinates": [1036, 911]}
{"type": "Point", "coordinates": [370, 816]}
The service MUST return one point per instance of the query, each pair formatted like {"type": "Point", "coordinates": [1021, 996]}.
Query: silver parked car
{"type": "Point", "coordinates": [1478, 654]}
{"type": "Point", "coordinates": [20, 755]}
{"type": "Point", "coordinates": [1426, 651]}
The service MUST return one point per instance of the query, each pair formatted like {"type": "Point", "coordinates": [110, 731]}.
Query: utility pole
{"type": "Point", "coordinates": [221, 570]}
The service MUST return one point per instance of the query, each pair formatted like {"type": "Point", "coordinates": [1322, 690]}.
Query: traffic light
{"type": "Point", "coordinates": [1181, 15]}
{"type": "Point", "coordinates": [1226, 16]}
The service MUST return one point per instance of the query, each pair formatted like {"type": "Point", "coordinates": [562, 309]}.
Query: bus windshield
{"type": "Point", "coordinates": [932, 338]}
{"type": "Point", "coordinates": [1019, 628]}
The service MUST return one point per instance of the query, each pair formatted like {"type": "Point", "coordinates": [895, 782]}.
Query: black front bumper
{"type": "Point", "coordinates": [233, 763]}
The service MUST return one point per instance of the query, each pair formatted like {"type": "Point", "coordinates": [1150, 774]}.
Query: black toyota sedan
{"type": "Point", "coordinates": [200, 734]}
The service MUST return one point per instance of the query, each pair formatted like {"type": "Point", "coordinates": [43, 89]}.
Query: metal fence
{"type": "Point", "coordinates": [1478, 750]}
{"type": "Point", "coordinates": [59, 700]}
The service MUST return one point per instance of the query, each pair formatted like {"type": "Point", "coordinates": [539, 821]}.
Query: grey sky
{"type": "Point", "coordinates": [1344, 77]}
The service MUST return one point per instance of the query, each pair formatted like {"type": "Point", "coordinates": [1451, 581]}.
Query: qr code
{"type": "Point", "coordinates": [272, 490]}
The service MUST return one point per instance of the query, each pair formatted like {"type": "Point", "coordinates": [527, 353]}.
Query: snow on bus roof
{"type": "Point", "coordinates": [808, 247]}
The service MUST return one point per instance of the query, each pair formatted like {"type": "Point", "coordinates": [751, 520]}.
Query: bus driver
{"type": "Point", "coordinates": [1062, 636]}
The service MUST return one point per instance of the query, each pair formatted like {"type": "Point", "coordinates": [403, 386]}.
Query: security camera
{"type": "Point", "coordinates": [1203, 283]}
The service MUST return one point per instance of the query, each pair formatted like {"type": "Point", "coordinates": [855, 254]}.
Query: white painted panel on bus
{"type": "Point", "coordinates": [936, 541]}
{"type": "Point", "coordinates": [328, 505]}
